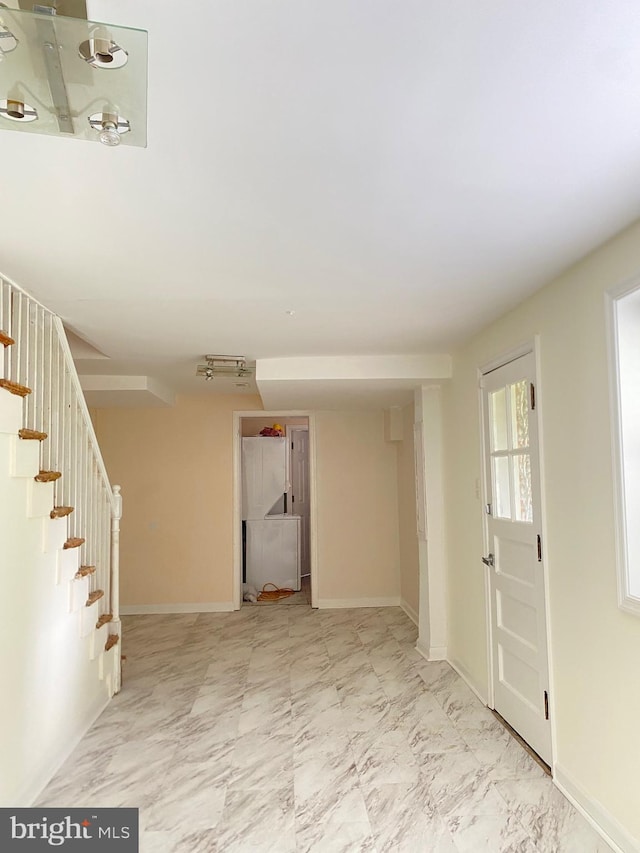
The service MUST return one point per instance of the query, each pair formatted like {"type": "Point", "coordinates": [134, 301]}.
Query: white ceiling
{"type": "Point", "coordinates": [395, 173]}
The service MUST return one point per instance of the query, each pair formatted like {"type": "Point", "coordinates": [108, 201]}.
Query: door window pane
{"type": "Point", "coordinates": [498, 418]}
{"type": "Point", "coordinates": [522, 487]}
{"type": "Point", "coordinates": [501, 486]}
{"type": "Point", "coordinates": [519, 400]}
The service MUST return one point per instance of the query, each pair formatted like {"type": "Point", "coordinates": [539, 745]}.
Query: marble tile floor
{"type": "Point", "coordinates": [290, 729]}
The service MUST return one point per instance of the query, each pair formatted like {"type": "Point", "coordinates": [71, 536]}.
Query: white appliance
{"type": "Point", "coordinates": [272, 537]}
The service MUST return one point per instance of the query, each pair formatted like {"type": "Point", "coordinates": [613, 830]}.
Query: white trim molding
{"type": "Point", "coordinates": [438, 653]}
{"type": "Point", "coordinates": [622, 327]}
{"type": "Point", "coordinates": [604, 823]}
{"type": "Point", "coordinates": [157, 609]}
{"type": "Point", "coordinates": [465, 675]}
{"type": "Point", "coordinates": [34, 787]}
{"type": "Point", "coordinates": [339, 603]}
{"type": "Point", "coordinates": [431, 653]}
{"type": "Point", "coordinates": [408, 609]}
{"type": "Point", "coordinates": [422, 648]}
{"type": "Point", "coordinates": [432, 556]}
{"type": "Point", "coordinates": [507, 357]}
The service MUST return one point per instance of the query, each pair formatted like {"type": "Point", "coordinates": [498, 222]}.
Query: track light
{"type": "Point", "coordinates": [233, 366]}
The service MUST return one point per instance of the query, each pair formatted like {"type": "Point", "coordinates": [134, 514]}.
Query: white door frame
{"type": "Point", "coordinates": [532, 346]}
{"type": "Point", "coordinates": [289, 429]}
{"type": "Point", "coordinates": [237, 497]}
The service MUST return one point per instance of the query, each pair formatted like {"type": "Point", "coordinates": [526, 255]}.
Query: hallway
{"type": "Point", "coordinates": [276, 729]}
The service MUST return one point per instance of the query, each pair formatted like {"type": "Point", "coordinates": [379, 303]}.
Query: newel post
{"type": "Point", "coordinates": [116, 515]}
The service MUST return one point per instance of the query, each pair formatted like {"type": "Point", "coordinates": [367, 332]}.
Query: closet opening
{"type": "Point", "coordinates": [273, 517]}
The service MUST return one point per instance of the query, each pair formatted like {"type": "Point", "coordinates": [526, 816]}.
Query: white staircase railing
{"type": "Point", "coordinates": [41, 360]}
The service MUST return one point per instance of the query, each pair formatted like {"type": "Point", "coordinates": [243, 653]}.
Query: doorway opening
{"type": "Point", "coordinates": [273, 509]}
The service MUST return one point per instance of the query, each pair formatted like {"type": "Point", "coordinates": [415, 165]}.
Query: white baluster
{"type": "Point", "coordinates": [31, 363]}
{"type": "Point", "coordinates": [5, 325]}
{"type": "Point", "coordinates": [115, 575]}
{"type": "Point", "coordinates": [19, 350]}
{"type": "Point", "coordinates": [41, 383]}
{"type": "Point", "coordinates": [49, 390]}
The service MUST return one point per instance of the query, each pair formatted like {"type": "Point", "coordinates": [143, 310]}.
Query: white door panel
{"type": "Point", "coordinates": [516, 574]}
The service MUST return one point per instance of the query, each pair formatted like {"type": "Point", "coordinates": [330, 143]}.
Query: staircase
{"type": "Point", "coordinates": [60, 660]}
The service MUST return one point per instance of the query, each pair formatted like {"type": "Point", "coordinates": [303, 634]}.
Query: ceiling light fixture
{"type": "Point", "coordinates": [53, 58]}
{"type": "Point", "coordinates": [103, 53]}
{"type": "Point", "coordinates": [8, 41]}
{"type": "Point", "coordinates": [110, 127]}
{"type": "Point", "coordinates": [232, 366]}
{"type": "Point", "coordinates": [17, 110]}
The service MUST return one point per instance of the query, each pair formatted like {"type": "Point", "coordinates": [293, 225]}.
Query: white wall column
{"type": "Point", "coordinates": [432, 639]}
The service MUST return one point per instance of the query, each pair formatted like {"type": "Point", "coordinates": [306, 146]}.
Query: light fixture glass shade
{"type": "Point", "coordinates": [48, 70]}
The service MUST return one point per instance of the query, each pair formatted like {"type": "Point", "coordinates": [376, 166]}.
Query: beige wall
{"type": "Point", "coordinates": [595, 646]}
{"type": "Point", "coordinates": [175, 467]}
{"type": "Point", "coordinates": [408, 538]}
{"type": "Point", "coordinates": [357, 491]}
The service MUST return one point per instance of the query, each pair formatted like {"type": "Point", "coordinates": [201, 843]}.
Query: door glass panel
{"type": "Point", "coordinates": [519, 414]}
{"type": "Point", "coordinates": [498, 416]}
{"type": "Point", "coordinates": [501, 486]}
{"type": "Point", "coordinates": [522, 487]}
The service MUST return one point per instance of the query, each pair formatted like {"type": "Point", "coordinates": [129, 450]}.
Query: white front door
{"type": "Point", "coordinates": [514, 561]}
{"type": "Point", "coordinates": [299, 437]}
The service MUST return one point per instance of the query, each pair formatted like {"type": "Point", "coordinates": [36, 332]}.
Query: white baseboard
{"type": "Point", "coordinates": [34, 788]}
{"type": "Point", "coordinates": [422, 649]}
{"type": "Point", "coordinates": [157, 609]}
{"type": "Point", "coordinates": [431, 653]}
{"type": "Point", "coordinates": [335, 603]}
{"type": "Point", "coordinates": [408, 609]}
{"type": "Point", "coordinates": [595, 813]}
{"type": "Point", "coordinates": [465, 675]}
{"type": "Point", "coordinates": [438, 653]}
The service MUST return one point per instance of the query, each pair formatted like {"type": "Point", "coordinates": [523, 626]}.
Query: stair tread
{"type": "Point", "coordinates": [14, 388]}
{"type": "Point", "coordinates": [47, 476]}
{"type": "Point", "coordinates": [106, 617]}
{"type": "Point", "coordinates": [85, 571]}
{"type": "Point", "coordinates": [94, 596]}
{"type": "Point", "coordinates": [112, 639]}
{"type": "Point", "coordinates": [61, 511]}
{"type": "Point", "coordinates": [32, 434]}
{"type": "Point", "coordinates": [73, 542]}
{"type": "Point", "coordinates": [5, 340]}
